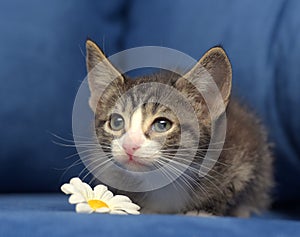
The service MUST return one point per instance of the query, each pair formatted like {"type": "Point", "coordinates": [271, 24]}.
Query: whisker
{"type": "Point", "coordinates": [183, 157]}
{"type": "Point", "coordinates": [96, 167]}
{"type": "Point", "coordinates": [204, 177]}
{"type": "Point", "coordinates": [188, 166]}
{"type": "Point", "coordinates": [183, 177]}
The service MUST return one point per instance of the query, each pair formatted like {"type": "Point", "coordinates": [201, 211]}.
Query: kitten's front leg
{"type": "Point", "coordinates": [199, 213]}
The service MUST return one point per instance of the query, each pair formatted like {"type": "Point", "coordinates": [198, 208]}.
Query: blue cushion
{"type": "Point", "coordinates": [41, 67]}
{"type": "Point", "coordinates": [263, 42]}
{"type": "Point", "coordinates": [51, 215]}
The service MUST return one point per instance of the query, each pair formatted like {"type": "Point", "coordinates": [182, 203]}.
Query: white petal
{"type": "Point", "coordinates": [103, 210]}
{"type": "Point", "coordinates": [107, 196]}
{"type": "Point", "coordinates": [118, 212]}
{"type": "Point", "coordinates": [83, 188]}
{"type": "Point", "coordinates": [83, 208]}
{"type": "Point", "coordinates": [99, 190]}
{"type": "Point", "coordinates": [76, 181]}
{"type": "Point", "coordinates": [88, 191]}
{"type": "Point", "coordinates": [130, 208]}
{"type": "Point", "coordinates": [78, 184]}
{"type": "Point", "coordinates": [119, 198]}
{"type": "Point", "coordinates": [76, 198]}
{"type": "Point", "coordinates": [123, 205]}
{"type": "Point", "coordinates": [67, 188]}
{"type": "Point", "coordinates": [132, 212]}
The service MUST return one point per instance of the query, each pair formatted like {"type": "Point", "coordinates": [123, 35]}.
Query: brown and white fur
{"type": "Point", "coordinates": [238, 184]}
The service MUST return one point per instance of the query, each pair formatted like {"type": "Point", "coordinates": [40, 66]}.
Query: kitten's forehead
{"type": "Point", "coordinates": [146, 104]}
{"type": "Point", "coordinates": [136, 120]}
{"type": "Point", "coordinates": [156, 95]}
{"type": "Point", "coordinates": [148, 99]}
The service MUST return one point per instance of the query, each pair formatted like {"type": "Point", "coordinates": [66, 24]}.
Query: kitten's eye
{"type": "Point", "coordinates": [161, 125]}
{"type": "Point", "coordinates": [116, 122]}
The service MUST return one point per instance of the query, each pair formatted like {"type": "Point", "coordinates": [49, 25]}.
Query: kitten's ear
{"type": "Point", "coordinates": [101, 72]}
{"type": "Point", "coordinates": [216, 65]}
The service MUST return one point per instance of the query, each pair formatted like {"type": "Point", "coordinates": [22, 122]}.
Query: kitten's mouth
{"type": "Point", "coordinates": [130, 156]}
{"type": "Point", "coordinates": [133, 160]}
{"type": "Point", "coordinates": [134, 163]}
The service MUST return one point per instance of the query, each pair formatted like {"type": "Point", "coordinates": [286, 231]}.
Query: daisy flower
{"type": "Point", "coordinates": [99, 199]}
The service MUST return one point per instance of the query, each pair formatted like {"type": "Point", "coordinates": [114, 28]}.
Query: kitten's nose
{"type": "Point", "coordinates": [130, 148]}
{"type": "Point", "coordinates": [132, 142]}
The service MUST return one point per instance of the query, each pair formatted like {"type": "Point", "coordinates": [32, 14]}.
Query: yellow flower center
{"type": "Point", "coordinates": [95, 204]}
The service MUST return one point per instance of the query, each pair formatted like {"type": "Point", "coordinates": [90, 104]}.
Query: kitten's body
{"type": "Point", "coordinates": [239, 182]}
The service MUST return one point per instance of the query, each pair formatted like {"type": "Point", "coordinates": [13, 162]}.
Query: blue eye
{"type": "Point", "coordinates": [161, 125]}
{"type": "Point", "coordinates": [116, 122]}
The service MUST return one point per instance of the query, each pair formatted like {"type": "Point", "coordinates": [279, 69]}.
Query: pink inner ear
{"type": "Point", "coordinates": [133, 140]}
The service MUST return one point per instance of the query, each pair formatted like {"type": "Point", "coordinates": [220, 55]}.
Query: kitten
{"type": "Point", "coordinates": [141, 137]}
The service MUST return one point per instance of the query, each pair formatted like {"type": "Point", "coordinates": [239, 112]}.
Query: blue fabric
{"type": "Point", "coordinates": [262, 39]}
{"type": "Point", "coordinates": [41, 67]}
{"type": "Point", "coordinates": [51, 215]}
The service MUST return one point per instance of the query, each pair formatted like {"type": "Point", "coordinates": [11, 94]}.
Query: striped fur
{"type": "Point", "coordinates": [238, 184]}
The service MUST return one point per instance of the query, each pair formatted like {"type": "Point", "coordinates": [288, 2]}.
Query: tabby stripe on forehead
{"type": "Point", "coordinates": [149, 97]}
{"type": "Point", "coordinates": [155, 107]}
{"type": "Point", "coordinates": [132, 100]}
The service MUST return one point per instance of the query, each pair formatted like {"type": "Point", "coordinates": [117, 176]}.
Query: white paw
{"type": "Point", "coordinates": [198, 213]}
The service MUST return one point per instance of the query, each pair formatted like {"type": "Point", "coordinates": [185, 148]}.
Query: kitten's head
{"type": "Point", "coordinates": [141, 122]}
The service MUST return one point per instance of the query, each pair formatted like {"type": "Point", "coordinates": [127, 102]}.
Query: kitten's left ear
{"type": "Point", "coordinates": [215, 65]}
{"type": "Point", "coordinates": [101, 73]}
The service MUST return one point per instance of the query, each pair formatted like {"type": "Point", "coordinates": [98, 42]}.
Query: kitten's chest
{"type": "Point", "coordinates": [165, 200]}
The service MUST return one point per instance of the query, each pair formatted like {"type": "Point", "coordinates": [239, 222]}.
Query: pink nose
{"type": "Point", "coordinates": [130, 148]}
{"type": "Point", "coordinates": [132, 142]}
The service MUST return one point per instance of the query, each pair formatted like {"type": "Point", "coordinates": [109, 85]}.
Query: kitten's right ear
{"type": "Point", "coordinates": [101, 73]}
{"type": "Point", "coordinates": [214, 65]}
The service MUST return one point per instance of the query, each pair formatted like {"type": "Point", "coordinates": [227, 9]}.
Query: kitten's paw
{"type": "Point", "coordinates": [199, 213]}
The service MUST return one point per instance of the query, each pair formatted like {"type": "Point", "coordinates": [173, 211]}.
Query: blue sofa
{"type": "Point", "coordinates": [42, 65]}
